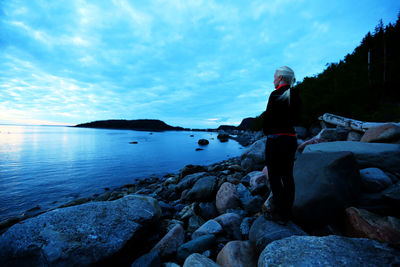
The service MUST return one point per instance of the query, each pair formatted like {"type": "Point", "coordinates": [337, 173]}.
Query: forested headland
{"type": "Point", "coordinates": [364, 85]}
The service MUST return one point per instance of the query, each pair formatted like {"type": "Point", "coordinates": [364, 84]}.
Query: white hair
{"type": "Point", "coordinates": [288, 77]}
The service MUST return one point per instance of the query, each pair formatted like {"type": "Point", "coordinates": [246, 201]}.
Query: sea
{"type": "Point", "coordinates": [48, 166]}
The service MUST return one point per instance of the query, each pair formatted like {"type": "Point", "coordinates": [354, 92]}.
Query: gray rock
{"type": "Point", "coordinates": [198, 260]}
{"type": "Point", "coordinates": [230, 222]}
{"type": "Point", "coordinates": [80, 235]}
{"type": "Point", "coordinates": [189, 180]}
{"type": "Point", "coordinates": [197, 245]}
{"type": "Point", "coordinates": [211, 227]}
{"type": "Point", "coordinates": [187, 212]}
{"type": "Point", "coordinates": [253, 157]}
{"type": "Point", "coordinates": [226, 198]}
{"type": "Point", "coordinates": [203, 190]}
{"type": "Point", "coordinates": [263, 232]}
{"type": "Point", "coordinates": [379, 155]}
{"type": "Point", "coordinates": [207, 210]}
{"type": "Point", "coordinates": [333, 134]}
{"type": "Point", "coordinates": [374, 180]}
{"type": "Point", "coordinates": [237, 253]}
{"type": "Point", "coordinates": [151, 259]}
{"type": "Point", "coordinates": [328, 251]}
{"type": "Point", "coordinates": [325, 184]}
{"type": "Point", "coordinates": [249, 203]}
{"type": "Point", "coordinates": [168, 245]}
{"type": "Point", "coordinates": [170, 264]}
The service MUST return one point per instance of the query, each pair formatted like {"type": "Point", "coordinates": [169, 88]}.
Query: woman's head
{"type": "Point", "coordinates": [284, 75]}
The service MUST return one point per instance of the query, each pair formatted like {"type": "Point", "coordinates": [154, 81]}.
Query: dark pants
{"type": "Point", "coordinates": [279, 155]}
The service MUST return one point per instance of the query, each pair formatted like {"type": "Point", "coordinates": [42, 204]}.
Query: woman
{"type": "Point", "coordinates": [282, 113]}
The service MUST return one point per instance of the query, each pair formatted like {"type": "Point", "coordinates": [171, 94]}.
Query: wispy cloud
{"type": "Point", "coordinates": [179, 61]}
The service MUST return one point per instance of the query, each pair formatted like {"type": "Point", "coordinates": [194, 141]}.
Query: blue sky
{"type": "Point", "coordinates": [196, 64]}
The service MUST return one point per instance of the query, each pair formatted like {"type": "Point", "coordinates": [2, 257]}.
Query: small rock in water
{"type": "Point", "coordinates": [203, 142]}
{"type": "Point", "coordinates": [199, 149]}
{"type": "Point", "coordinates": [134, 142]}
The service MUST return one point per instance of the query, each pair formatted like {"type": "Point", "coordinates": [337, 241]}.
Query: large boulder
{"type": "Point", "coordinates": [253, 157]}
{"type": "Point", "coordinates": [379, 155]}
{"type": "Point", "coordinates": [87, 234]}
{"type": "Point", "coordinates": [237, 253]}
{"type": "Point", "coordinates": [203, 190]}
{"type": "Point", "coordinates": [383, 133]}
{"type": "Point", "coordinates": [362, 223]}
{"type": "Point", "coordinates": [227, 197]}
{"type": "Point", "coordinates": [264, 231]}
{"type": "Point", "coordinates": [325, 184]}
{"type": "Point", "coordinates": [328, 251]}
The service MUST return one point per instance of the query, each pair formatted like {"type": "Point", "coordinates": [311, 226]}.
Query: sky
{"type": "Point", "coordinates": [195, 64]}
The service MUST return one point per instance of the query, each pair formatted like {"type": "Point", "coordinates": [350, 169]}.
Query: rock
{"type": "Point", "coordinates": [362, 223]}
{"type": "Point", "coordinates": [199, 149]}
{"type": "Point", "coordinates": [203, 142]}
{"type": "Point", "coordinates": [189, 180]}
{"type": "Point", "coordinates": [253, 157]}
{"type": "Point", "coordinates": [169, 244]}
{"type": "Point", "coordinates": [207, 210]}
{"type": "Point", "coordinates": [331, 134]}
{"type": "Point", "coordinates": [194, 223]}
{"type": "Point", "coordinates": [393, 194]}
{"type": "Point", "coordinates": [230, 222]}
{"type": "Point", "coordinates": [325, 184]}
{"type": "Point", "coordinates": [170, 264]}
{"type": "Point", "coordinates": [353, 136]}
{"type": "Point", "coordinates": [374, 180]}
{"type": "Point", "coordinates": [249, 203]}
{"type": "Point", "coordinates": [187, 212]}
{"type": "Point", "coordinates": [227, 197]}
{"type": "Point", "coordinates": [235, 168]}
{"type": "Point", "coordinates": [151, 259]}
{"type": "Point", "coordinates": [198, 260]}
{"type": "Point", "coordinates": [211, 227]}
{"type": "Point", "coordinates": [257, 180]}
{"type": "Point", "coordinates": [223, 137]}
{"type": "Point", "coordinates": [197, 245]}
{"type": "Point", "coordinates": [245, 226]}
{"type": "Point", "coordinates": [384, 133]}
{"type": "Point", "coordinates": [101, 229]}
{"type": "Point", "coordinates": [314, 130]}
{"type": "Point", "coordinates": [203, 190]}
{"type": "Point", "coordinates": [263, 232]}
{"type": "Point", "coordinates": [167, 225]}
{"type": "Point", "coordinates": [301, 132]}
{"type": "Point", "coordinates": [237, 253]}
{"type": "Point", "coordinates": [314, 140]}
{"type": "Point", "coordinates": [383, 156]}
{"type": "Point", "coordinates": [328, 251]}
{"type": "Point", "coordinates": [190, 169]}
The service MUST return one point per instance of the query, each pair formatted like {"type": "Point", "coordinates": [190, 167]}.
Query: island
{"type": "Point", "coordinates": [138, 125]}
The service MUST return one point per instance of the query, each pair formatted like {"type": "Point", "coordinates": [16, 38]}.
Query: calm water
{"type": "Point", "coordinates": [48, 166]}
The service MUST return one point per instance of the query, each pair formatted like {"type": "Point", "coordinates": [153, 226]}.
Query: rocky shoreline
{"type": "Point", "coordinates": [345, 213]}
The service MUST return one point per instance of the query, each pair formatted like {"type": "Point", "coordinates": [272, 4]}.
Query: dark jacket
{"type": "Point", "coordinates": [280, 116]}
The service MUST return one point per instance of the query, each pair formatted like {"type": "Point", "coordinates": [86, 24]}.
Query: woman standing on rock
{"type": "Point", "coordinates": [282, 113]}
